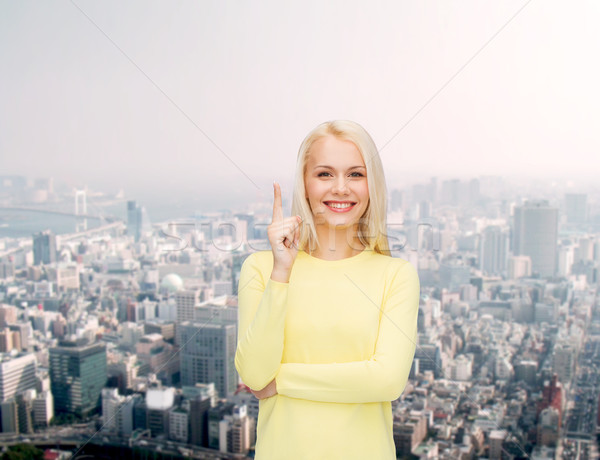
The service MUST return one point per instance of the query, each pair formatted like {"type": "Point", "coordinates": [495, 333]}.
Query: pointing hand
{"type": "Point", "coordinates": [283, 234]}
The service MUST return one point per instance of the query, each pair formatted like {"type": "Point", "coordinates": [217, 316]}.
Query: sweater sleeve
{"type": "Point", "coordinates": [261, 320]}
{"type": "Point", "coordinates": [382, 377]}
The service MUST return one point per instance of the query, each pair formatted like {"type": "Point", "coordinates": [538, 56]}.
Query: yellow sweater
{"type": "Point", "coordinates": [339, 339]}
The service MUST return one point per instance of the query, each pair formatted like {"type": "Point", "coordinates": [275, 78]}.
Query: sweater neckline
{"type": "Point", "coordinates": [361, 255]}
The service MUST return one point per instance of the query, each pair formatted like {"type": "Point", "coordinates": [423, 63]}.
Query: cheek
{"type": "Point", "coordinates": [313, 190]}
{"type": "Point", "coordinates": [364, 191]}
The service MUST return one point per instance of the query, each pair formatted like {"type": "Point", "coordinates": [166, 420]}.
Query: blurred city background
{"type": "Point", "coordinates": [138, 145]}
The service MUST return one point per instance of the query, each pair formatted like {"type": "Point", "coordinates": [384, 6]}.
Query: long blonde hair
{"type": "Point", "coordinates": [372, 227]}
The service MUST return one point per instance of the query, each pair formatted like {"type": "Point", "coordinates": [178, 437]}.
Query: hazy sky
{"type": "Point", "coordinates": [157, 95]}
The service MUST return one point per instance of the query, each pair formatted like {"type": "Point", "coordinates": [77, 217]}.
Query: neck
{"type": "Point", "coordinates": [339, 243]}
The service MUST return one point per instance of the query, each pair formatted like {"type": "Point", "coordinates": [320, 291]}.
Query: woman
{"type": "Point", "coordinates": [327, 319]}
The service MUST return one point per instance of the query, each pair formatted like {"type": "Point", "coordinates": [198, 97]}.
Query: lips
{"type": "Point", "coordinates": [344, 209]}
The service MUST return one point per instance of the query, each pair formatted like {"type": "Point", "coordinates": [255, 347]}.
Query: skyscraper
{"type": "Point", "coordinates": [494, 250]}
{"type": "Point", "coordinates": [185, 301]}
{"type": "Point", "coordinates": [199, 407]}
{"type": "Point", "coordinates": [44, 248]}
{"type": "Point", "coordinates": [77, 375]}
{"type": "Point", "coordinates": [536, 235]}
{"type": "Point", "coordinates": [208, 355]}
{"type": "Point", "coordinates": [137, 220]}
{"type": "Point", "coordinates": [117, 411]}
{"type": "Point", "coordinates": [17, 374]}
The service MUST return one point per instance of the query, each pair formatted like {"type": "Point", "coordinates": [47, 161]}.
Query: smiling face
{"type": "Point", "coordinates": [336, 183]}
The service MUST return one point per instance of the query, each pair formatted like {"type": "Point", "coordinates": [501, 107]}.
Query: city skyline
{"type": "Point", "coordinates": [508, 338]}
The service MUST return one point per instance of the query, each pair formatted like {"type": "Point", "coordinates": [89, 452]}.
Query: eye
{"type": "Point", "coordinates": [357, 174]}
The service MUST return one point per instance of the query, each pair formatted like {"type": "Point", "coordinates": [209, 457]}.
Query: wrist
{"type": "Point", "coordinates": [280, 275]}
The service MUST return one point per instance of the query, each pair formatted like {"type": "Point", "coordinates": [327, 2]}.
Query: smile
{"type": "Point", "coordinates": [339, 207]}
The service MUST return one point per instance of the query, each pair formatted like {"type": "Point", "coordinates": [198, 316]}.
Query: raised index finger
{"type": "Point", "coordinates": [277, 209]}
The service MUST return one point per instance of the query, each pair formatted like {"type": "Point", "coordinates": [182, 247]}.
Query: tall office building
{"type": "Point", "coordinates": [9, 416]}
{"type": "Point", "coordinates": [566, 258]}
{"type": "Point", "coordinates": [17, 374]}
{"type": "Point", "coordinates": [548, 427]}
{"type": "Point", "coordinates": [25, 410]}
{"type": "Point", "coordinates": [546, 311]}
{"type": "Point", "coordinates": [7, 269]}
{"type": "Point", "coordinates": [158, 357]}
{"type": "Point", "coordinates": [43, 409]}
{"type": "Point", "coordinates": [137, 220]}
{"type": "Point", "coordinates": [159, 402]}
{"type": "Point", "coordinates": [553, 395]}
{"type": "Point", "coordinates": [22, 331]}
{"type": "Point", "coordinates": [179, 423]}
{"type": "Point", "coordinates": [44, 248]}
{"type": "Point", "coordinates": [497, 438]}
{"type": "Point", "coordinates": [134, 219]}
{"type": "Point", "coordinates": [536, 235]}
{"type": "Point", "coordinates": [493, 257]}
{"type": "Point", "coordinates": [117, 411]}
{"type": "Point", "coordinates": [236, 431]}
{"type": "Point", "coordinates": [248, 218]}
{"type": "Point", "coordinates": [208, 355]}
{"type": "Point", "coordinates": [428, 358]}
{"type": "Point", "coordinates": [7, 340]}
{"type": "Point", "coordinates": [526, 371]}
{"type": "Point", "coordinates": [564, 359]}
{"type": "Point", "coordinates": [8, 314]}
{"type": "Point", "coordinates": [222, 310]}
{"type": "Point", "coordinates": [519, 266]}
{"type": "Point", "coordinates": [185, 302]}
{"type": "Point", "coordinates": [78, 372]}
{"type": "Point", "coordinates": [409, 431]}
{"type": "Point", "coordinates": [199, 407]}
{"type": "Point", "coordinates": [214, 416]}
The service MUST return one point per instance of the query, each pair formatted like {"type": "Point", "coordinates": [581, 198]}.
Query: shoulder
{"type": "Point", "coordinates": [260, 257]}
{"type": "Point", "coordinates": [397, 272]}
{"type": "Point", "coordinates": [394, 266]}
{"type": "Point", "coordinates": [401, 282]}
{"type": "Point", "coordinates": [260, 261]}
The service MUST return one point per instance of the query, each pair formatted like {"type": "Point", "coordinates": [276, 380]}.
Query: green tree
{"type": "Point", "coordinates": [23, 452]}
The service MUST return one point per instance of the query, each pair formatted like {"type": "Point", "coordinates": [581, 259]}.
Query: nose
{"type": "Point", "coordinates": [340, 186]}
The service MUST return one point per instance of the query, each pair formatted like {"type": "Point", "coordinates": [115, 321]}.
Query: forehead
{"type": "Point", "coordinates": [334, 152]}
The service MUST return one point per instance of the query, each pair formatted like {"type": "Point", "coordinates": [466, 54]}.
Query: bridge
{"type": "Point", "coordinates": [26, 245]}
{"type": "Point", "coordinates": [59, 213]}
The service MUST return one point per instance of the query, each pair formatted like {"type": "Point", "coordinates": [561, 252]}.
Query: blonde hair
{"type": "Point", "coordinates": [372, 227]}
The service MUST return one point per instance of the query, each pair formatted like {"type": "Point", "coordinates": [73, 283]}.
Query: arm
{"type": "Point", "coordinates": [381, 378]}
{"type": "Point", "coordinates": [261, 320]}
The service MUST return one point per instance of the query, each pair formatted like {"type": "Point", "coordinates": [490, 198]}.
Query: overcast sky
{"type": "Point", "coordinates": [213, 98]}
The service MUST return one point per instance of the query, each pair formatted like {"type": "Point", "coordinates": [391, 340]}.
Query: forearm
{"type": "Point", "coordinates": [352, 382]}
{"type": "Point", "coordinates": [261, 322]}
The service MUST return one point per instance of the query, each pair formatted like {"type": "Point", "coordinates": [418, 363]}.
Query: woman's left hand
{"type": "Point", "coordinates": [266, 392]}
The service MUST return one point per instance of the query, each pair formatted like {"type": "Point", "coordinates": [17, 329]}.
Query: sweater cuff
{"type": "Point", "coordinates": [277, 284]}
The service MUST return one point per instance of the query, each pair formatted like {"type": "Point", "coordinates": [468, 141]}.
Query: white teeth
{"type": "Point", "coordinates": [337, 205]}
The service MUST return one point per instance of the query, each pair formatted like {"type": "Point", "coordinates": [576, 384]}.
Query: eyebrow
{"type": "Point", "coordinates": [331, 167]}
